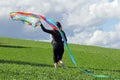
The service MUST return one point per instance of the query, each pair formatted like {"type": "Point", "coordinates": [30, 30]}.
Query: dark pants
{"type": "Point", "coordinates": [58, 53]}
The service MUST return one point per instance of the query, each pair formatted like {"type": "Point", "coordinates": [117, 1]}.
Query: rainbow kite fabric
{"type": "Point", "coordinates": [27, 18]}
{"type": "Point", "coordinates": [31, 19]}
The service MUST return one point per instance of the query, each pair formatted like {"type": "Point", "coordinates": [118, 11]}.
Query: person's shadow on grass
{"type": "Point", "coordinates": [11, 46]}
{"type": "Point", "coordinates": [105, 70]}
{"type": "Point", "coordinates": [24, 63]}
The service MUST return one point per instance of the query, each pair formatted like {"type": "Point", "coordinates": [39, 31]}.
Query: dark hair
{"type": "Point", "coordinates": [58, 24]}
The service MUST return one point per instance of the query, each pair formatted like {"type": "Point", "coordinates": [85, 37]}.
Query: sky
{"type": "Point", "coordinates": [85, 22]}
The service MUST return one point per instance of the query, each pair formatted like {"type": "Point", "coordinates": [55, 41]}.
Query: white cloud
{"type": "Point", "coordinates": [94, 15]}
{"type": "Point", "coordinates": [117, 27]}
{"type": "Point", "coordinates": [99, 38]}
{"type": "Point", "coordinates": [107, 39]}
{"type": "Point", "coordinates": [106, 10]}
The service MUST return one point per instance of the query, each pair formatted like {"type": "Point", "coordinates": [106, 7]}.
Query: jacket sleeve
{"type": "Point", "coordinates": [64, 35]}
{"type": "Point", "coordinates": [46, 30]}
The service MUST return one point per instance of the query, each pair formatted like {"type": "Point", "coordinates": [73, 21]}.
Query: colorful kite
{"type": "Point", "coordinates": [27, 18]}
{"type": "Point", "coordinates": [30, 19]}
{"type": "Point", "coordinates": [35, 20]}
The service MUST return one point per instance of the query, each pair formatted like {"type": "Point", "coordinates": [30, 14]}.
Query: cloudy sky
{"type": "Point", "coordinates": [86, 22]}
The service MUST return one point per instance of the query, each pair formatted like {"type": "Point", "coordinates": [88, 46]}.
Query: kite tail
{"type": "Point", "coordinates": [70, 54]}
{"type": "Point", "coordinates": [74, 62]}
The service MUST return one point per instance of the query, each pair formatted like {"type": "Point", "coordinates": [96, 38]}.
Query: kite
{"type": "Point", "coordinates": [30, 19]}
{"type": "Point", "coordinates": [27, 18]}
{"type": "Point", "coordinates": [35, 20]}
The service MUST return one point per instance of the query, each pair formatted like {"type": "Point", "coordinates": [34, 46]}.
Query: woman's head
{"type": "Point", "coordinates": [59, 25]}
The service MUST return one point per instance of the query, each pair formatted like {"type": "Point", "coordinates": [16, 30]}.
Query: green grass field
{"type": "Point", "coordinates": [32, 60]}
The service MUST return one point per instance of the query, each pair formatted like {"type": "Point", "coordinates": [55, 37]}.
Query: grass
{"type": "Point", "coordinates": [32, 60]}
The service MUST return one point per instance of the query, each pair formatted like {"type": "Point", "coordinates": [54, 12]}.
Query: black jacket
{"type": "Point", "coordinates": [56, 37]}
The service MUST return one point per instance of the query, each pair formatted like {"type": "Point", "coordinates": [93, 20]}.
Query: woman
{"type": "Point", "coordinates": [58, 44]}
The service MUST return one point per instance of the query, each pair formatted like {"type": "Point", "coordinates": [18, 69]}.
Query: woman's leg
{"type": "Point", "coordinates": [61, 55]}
{"type": "Point", "coordinates": [55, 65]}
{"type": "Point", "coordinates": [55, 57]}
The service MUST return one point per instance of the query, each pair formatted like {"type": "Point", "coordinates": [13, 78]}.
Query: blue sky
{"type": "Point", "coordinates": [88, 22]}
{"type": "Point", "coordinates": [109, 25]}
